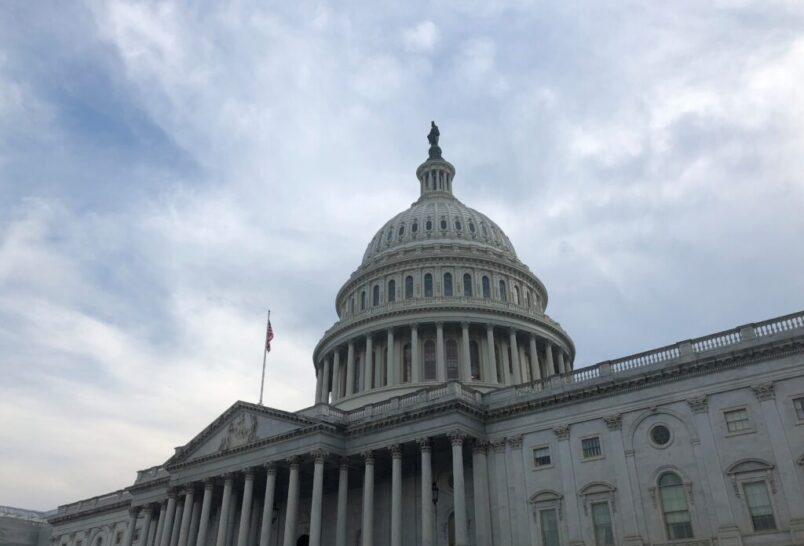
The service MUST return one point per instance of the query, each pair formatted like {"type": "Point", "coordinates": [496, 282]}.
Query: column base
{"type": "Point", "coordinates": [729, 536]}
{"type": "Point", "coordinates": [633, 540]}
{"type": "Point", "coordinates": [797, 530]}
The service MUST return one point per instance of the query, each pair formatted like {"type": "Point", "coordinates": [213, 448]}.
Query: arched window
{"type": "Point", "coordinates": [408, 287]}
{"type": "Point", "coordinates": [471, 226]}
{"type": "Point", "coordinates": [406, 364]}
{"type": "Point", "coordinates": [428, 285]}
{"type": "Point", "coordinates": [503, 295]}
{"type": "Point", "coordinates": [516, 295]}
{"type": "Point", "coordinates": [390, 234]}
{"type": "Point", "coordinates": [375, 297]}
{"type": "Point", "coordinates": [401, 230]}
{"type": "Point", "coordinates": [467, 285]}
{"type": "Point", "coordinates": [428, 225]}
{"type": "Point", "coordinates": [363, 300]}
{"type": "Point", "coordinates": [447, 284]}
{"type": "Point", "coordinates": [452, 359]}
{"type": "Point", "coordinates": [486, 287]}
{"type": "Point", "coordinates": [458, 225]}
{"type": "Point", "coordinates": [674, 506]}
{"type": "Point", "coordinates": [429, 360]}
{"type": "Point", "coordinates": [474, 360]}
{"type": "Point", "coordinates": [391, 296]}
{"type": "Point", "coordinates": [443, 222]}
{"type": "Point", "coordinates": [414, 227]}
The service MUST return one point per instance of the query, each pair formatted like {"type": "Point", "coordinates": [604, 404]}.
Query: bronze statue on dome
{"type": "Point", "coordinates": [432, 138]}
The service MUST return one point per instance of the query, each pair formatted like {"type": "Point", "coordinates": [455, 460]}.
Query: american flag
{"type": "Point", "coordinates": [269, 336]}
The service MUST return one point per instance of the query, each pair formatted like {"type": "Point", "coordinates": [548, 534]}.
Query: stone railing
{"type": "Point", "coordinates": [95, 502]}
{"type": "Point", "coordinates": [147, 474]}
{"type": "Point", "coordinates": [418, 399]}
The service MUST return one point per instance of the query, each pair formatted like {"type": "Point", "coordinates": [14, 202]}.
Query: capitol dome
{"type": "Point", "coordinates": [439, 296]}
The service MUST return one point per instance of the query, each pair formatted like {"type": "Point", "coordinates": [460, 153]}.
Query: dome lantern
{"type": "Point", "coordinates": [435, 175]}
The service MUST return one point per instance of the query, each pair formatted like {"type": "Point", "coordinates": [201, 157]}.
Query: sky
{"type": "Point", "coordinates": [171, 170]}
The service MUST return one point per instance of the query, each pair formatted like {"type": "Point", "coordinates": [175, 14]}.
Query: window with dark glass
{"type": "Point", "coordinates": [390, 234]}
{"type": "Point", "coordinates": [503, 295]}
{"type": "Point", "coordinates": [472, 227]}
{"type": "Point", "coordinates": [516, 295]}
{"type": "Point", "coordinates": [391, 295]}
{"type": "Point", "coordinates": [467, 285]}
{"type": "Point", "coordinates": [408, 287]}
{"type": "Point", "coordinates": [486, 287]}
{"type": "Point", "coordinates": [458, 226]}
{"type": "Point", "coordinates": [541, 456]}
{"type": "Point", "coordinates": [375, 297]}
{"type": "Point", "coordinates": [674, 506]}
{"type": "Point", "coordinates": [443, 223]}
{"type": "Point", "coordinates": [452, 359]}
{"type": "Point", "coordinates": [401, 230]}
{"type": "Point", "coordinates": [660, 435]}
{"type": "Point", "coordinates": [414, 227]}
{"type": "Point", "coordinates": [759, 506]}
{"type": "Point", "coordinates": [474, 359]}
{"type": "Point", "coordinates": [428, 285]}
{"type": "Point", "coordinates": [591, 447]}
{"type": "Point", "coordinates": [428, 225]}
{"type": "Point", "coordinates": [798, 404]}
{"type": "Point", "coordinates": [601, 521]}
{"type": "Point", "coordinates": [429, 360]}
{"type": "Point", "coordinates": [407, 363]}
{"type": "Point", "coordinates": [363, 300]}
{"type": "Point", "coordinates": [548, 521]}
{"type": "Point", "coordinates": [447, 284]}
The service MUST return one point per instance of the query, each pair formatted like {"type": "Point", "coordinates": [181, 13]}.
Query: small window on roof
{"type": "Point", "coordinates": [472, 227]}
{"type": "Point", "coordinates": [401, 230]}
{"type": "Point", "coordinates": [443, 223]}
{"type": "Point", "coordinates": [458, 226]}
{"type": "Point", "coordinates": [390, 234]}
{"type": "Point", "coordinates": [428, 225]}
{"type": "Point", "coordinates": [414, 227]}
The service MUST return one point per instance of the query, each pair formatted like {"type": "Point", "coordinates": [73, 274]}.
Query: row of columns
{"type": "Point", "coordinates": [336, 379]}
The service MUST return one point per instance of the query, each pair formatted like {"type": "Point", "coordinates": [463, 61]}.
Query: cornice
{"type": "Point", "coordinates": [90, 512]}
{"type": "Point", "coordinates": [153, 484]}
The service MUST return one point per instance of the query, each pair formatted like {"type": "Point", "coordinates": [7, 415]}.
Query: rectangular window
{"type": "Point", "coordinates": [549, 524]}
{"type": "Point", "coordinates": [601, 520]}
{"type": "Point", "coordinates": [118, 538]}
{"type": "Point", "coordinates": [591, 447]}
{"type": "Point", "coordinates": [541, 456]}
{"type": "Point", "coordinates": [759, 506]}
{"type": "Point", "coordinates": [798, 403]}
{"type": "Point", "coordinates": [737, 420]}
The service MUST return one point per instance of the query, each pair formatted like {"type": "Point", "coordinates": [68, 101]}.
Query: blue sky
{"type": "Point", "coordinates": [168, 170]}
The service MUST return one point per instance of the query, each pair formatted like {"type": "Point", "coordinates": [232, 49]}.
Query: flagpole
{"type": "Point", "coordinates": [264, 354]}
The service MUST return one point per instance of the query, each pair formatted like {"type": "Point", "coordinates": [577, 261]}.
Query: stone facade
{"type": "Point", "coordinates": [448, 414]}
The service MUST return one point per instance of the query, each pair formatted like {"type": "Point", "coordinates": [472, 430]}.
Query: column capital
{"type": "Point", "coordinates": [515, 441]}
{"type": "Point", "coordinates": [396, 451]}
{"type": "Point", "coordinates": [249, 472]}
{"type": "Point", "coordinates": [368, 457]}
{"type": "Point", "coordinates": [698, 404]}
{"type": "Point", "coordinates": [614, 422]}
{"type": "Point", "coordinates": [512, 331]}
{"type": "Point", "coordinates": [765, 391]}
{"type": "Point", "coordinates": [134, 511]}
{"type": "Point", "coordinates": [562, 432]}
{"type": "Point", "coordinates": [228, 477]}
{"type": "Point", "coordinates": [414, 325]}
{"type": "Point", "coordinates": [489, 326]}
{"type": "Point", "coordinates": [172, 492]}
{"type": "Point", "coordinates": [456, 437]}
{"type": "Point", "coordinates": [498, 444]}
{"type": "Point", "coordinates": [293, 461]}
{"type": "Point", "coordinates": [189, 488]}
{"type": "Point", "coordinates": [319, 455]}
{"type": "Point", "coordinates": [424, 444]}
{"type": "Point", "coordinates": [480, 446]}
{"type": "Point", "coordinates": [209, 483]}
{"type": "Point", "coordinates": [439, 324]}
{"type": "Point", "coordinates": [343, 462]}
{"type": "Point", "coordinates": [465, 324]}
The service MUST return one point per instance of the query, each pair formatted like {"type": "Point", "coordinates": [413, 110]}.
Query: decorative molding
{"type": "Point", "coordinates": [515, 441]}
{"type": "Point", "coordinates": [614, 422]}
{"type": "Point", "coordinates": [396, 451]}
{"type": "Point", "coordinates": [293, 461]}
{"type": "Point", "coordinates": [480, 446]}
{"type": "Point", "coordinates": [343, 462]}
{"type": "Point", "coordinates": [498, 444]}
{"type": "Point", "coordinates": [765, 391]}
{"type": "Point", "coordinates": [562, 432]}
{"type": "Point", "coordinates": [424, 444]}
{"type": "Point", "coordinates": [456, 437]}
{"type": "Point", "coordinates": [699, 404]}
{"type": "Point", "coordinates": [319, 455]}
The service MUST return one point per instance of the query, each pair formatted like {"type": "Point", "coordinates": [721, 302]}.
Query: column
{"type": "Point", "coordinates": [146, 525]}
{"type": "Point", "coordinates": [267, 505]}
{"type": "Point", "coordinates": [491, 359]}
{"type": "Point", "coordinates": [369, 362]}
{"type": "Point", "coordinates": [317, 498]}
{"type": "Point", "coordinates": [466, 368]}
{"type": "Point", "coordinates": [292, 504]}
{"type": "Point", "coordinates": [325, 380]}
{"type": "Point", "coordinates": [562, 368]}
{"type": "Point", "coordinates": [548, 353]}
{"type": "Point", "coordinates": [506, 366]}
{"type": "Point", "coordinates": [245, 508]}
{"type": "Point", "coordinates": [516, 472]}
{"type": "Point", "coordinates": [396, 495]}
{"type": "Point", "coordinates": [224, 516]}
{"type": "Point", "coordinates": [169, 514]}
{"type": "Point", "coordinates": [336, 375]}
{"type": "Point", "coordinates": [414, 353]}
{"type": "Point", "coordinates": [631, 511]}
{"type": "Point", "coordinates": [393, 373]}
{"type": "Point", "coordinates": [515, 357]}
{"type": "Point", "coordinates": [160, 525]}
{"type": "Point", "coordinates": [133, 513]}
{"type": "Point", "coordinates": [319, 382]}
{"type": "Point", "coordinates": [195, 517]}
{"type": "Point", "coordinates": [343, 494]}
{"type": "Point", "coordinates": [427, 493]}
{"type": "Point", "coordinates": [206, 505]}
{"type": "Point", "coordinates": [535, 371]}
{"type": "Point", "coordinates": [174, 533]}
{"type": "Point", "coordinates": [184, 533]}
{"type": "Point", "coordinates": [562, 433]}
{"type": "Point", "coordinates": [350, 369]}
{"type": "Point", "coordinates": [458, 490]}
{"type": "Point", "coordinates": [481, 485]}
{"type": "Point", "coordinates": [441, 368]}
{"type": "Point", "coordinates": [368, 500]}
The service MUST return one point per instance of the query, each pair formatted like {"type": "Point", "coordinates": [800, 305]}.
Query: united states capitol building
{"type": "Point", "coordinates": [448, 411]}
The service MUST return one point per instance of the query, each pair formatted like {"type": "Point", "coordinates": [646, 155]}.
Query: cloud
{"type": "Point", "coordinates": [421, 38]}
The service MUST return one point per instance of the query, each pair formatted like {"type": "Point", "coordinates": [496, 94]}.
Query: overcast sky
{"type": "Point", "coordinates": [168, 171]}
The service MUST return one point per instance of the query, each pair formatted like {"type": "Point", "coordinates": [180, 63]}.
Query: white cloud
{"type": "Point", "coordinates": [422, 37]}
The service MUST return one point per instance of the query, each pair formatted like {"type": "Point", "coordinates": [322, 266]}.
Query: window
{"type": "Point", "coordinates": [458, 226]}
{"type": "Point", "coordinates": [443, 223]}
{"type": "Point", "coordinates": [428, 285]}
{"type": "Point", "coordinates": [471, 226]}
{"type": "Point", "coordinates": [391, 296]}
{"type": "Point", "coordinates": [467, 285]}
{"type": "Point", "coordinates": [591, 447]}
{"type": "Point", "coordinates": [549, 524]}
{"type": "Point", "coordinates": [353, 304]}
{"type": "Point", "coordinates": [759, 506]}
{"type": "Point", "coordinates": [674, 506]}
{"type": "Point", "coordinates": [452, 359]}
{"type": "Point", "coordinates": [737, 420]}
{"type": "Point", "coordinates": [503, 295]}
{"type": "Point", "coordinates": [414, 227]}
{"type": "Point", "coordinates": [447, 284]}
{"type": "Point", "coordinates": [375, 297]}
{"type": "Point", "coordinates": [660, 435]}
{"type": "Point", "coordinates": [429, 360]}
{"type": "Point", "coordinates": [408, 287]}
{"type": "Point", "coordinates": [401, 230]}
{"type": "Point", "coordinates": [136, 535]}
{"type": "Point", "coordinates": [798, 403]}
{"type": "Point", "coordinates": [516, 295]}
{"type": "Point", "coordinates": [99, 541]}
{"type": "Point", "coordinates": [474, 359]}
{"type": "Point", "coordinates": [390, 234]}
{"type": "Point", "coordinates": [527, 298]}
{"type": "Point", "coordinates": [363, 300]}
{"type": "Point", "coordinates": [541, 457]}
{"type": "Point", "coordinates": [486, 287]}
{"type": "Point", "coordinates": [428, 225]}
{"type": "Point", "coordinates": [406, 364]}
{"type": "Point", "coordinates": [118, 537]}
{"type": "Point", "coordinates": [601, 521]}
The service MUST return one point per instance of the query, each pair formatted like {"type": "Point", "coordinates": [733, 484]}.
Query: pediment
{"type": "Point", "coordinates": [239, 426]}
{"type": "Point", "coordinates": [749, 465]}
